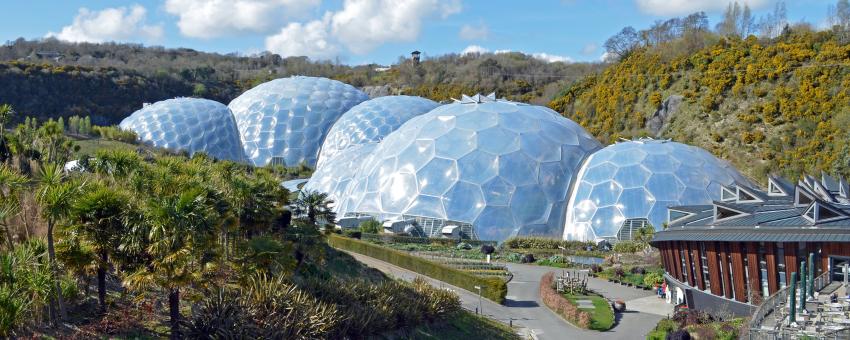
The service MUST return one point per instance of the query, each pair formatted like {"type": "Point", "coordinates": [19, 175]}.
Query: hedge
{"type": "Point", "coordinates": [491, 288]}
{"type": "Point", "coordinates": [560, 305]}
{"type": "Point", "coordinates": [390, 238]}
{"type": "Point", "coordinates": [530, 242]}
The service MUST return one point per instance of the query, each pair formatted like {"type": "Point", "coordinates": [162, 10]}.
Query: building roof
{"type": "Point", "coordinates": [811, 210]}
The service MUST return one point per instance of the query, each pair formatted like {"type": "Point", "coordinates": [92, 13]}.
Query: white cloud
{"type": "Point", "coordinates": [311, 39]}
{"type": "Point", "coordinates": [360, 26]}
{"type": "Point", "coordinates": [684, 7]}
{"type": "Point", "coordinates": [474, 49]}
{"type": "Point", "coordinates": [589, 49]}
{"type": "Point", "coordinates": [551, 58]}
{"type": "Point", "coordinates": [470, 32]}
{"type": "Point", "coordinates": [110, 24]}
{"type": "Point", "coordinates": [215, 18]}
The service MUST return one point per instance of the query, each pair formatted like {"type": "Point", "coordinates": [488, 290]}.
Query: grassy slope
{"type": "Point", "coordinates": [464, 326]}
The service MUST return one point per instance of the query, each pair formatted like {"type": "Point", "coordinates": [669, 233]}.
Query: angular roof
{"type": "Point", "coordinates": [812, 210]}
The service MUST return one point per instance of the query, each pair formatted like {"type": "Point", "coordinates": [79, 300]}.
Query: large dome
{"type": "Point", "coordinates": [631, 183]}
{"type": "Point", "coordinates": [334, 174]}
{"type": "Point", "coordinates": [371, 121]}
{"type": "Point", "coordinates": [287, 119]}
{"type": "Point", "coordinates": [190, 124]}
{"type": "Point", "coordinates": [502, 167]}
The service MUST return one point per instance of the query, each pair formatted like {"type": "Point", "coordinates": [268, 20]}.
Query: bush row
{"type": "Point", "coordinates": [544, 243]}
{"type": "Point", "coordinates": [424, 240]}
{"type": "Point", "coordinates": [560, 305]}
{"type": "Point", "coordinates": [492, 288]}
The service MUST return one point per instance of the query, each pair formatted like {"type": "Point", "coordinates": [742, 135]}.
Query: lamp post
{"type": "Point", "coordinates": [480, 308]}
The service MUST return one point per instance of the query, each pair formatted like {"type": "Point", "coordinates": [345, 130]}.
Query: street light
{"type": "Point", "coordinates": [480, 308]}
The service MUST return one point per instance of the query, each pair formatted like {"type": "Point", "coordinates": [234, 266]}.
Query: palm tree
{"type": "Point", "coordinates": [55, 196]}
{"type": "Point", "coordinates": [181, 246]}
{"type": "Point", "coordinates": [98, 219]}
{"type": "Point", "coordinates": [314, 205]}
{"type": "Point", "coordinates": [11, 184]}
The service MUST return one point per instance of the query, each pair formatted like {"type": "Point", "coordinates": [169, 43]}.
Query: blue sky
{"type": "Point", "coordinates": [364, 31]}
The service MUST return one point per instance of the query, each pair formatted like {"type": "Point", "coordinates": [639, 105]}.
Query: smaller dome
{"type": "Point", "coordinates": [333, 175]}
{"type": "Point", "coordinates": [190, 124]}
{"type": "Point", "coordinates": [371, 121]}
{"type": "Point", "coordinates": [286, 120]}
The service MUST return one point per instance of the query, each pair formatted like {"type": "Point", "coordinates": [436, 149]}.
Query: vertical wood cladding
{"type": "Point", "coordinates": [723, 253]}
{"type": "Point", "coordinates": [677, 262]}
{"type": "Point", "coordinates": [790, 260]}
{"type": "Point", "coordinates": [697, 263]}
{"type": "Point", "coordinates": [753, 268]}
{"type": "Point", "coordinates": [738, 272]}
{"type": "Point", "coordinates": [773, 276]}
{"type": "Point", "coordinates": [713, 269]}
{"type": "Point", "coordinates": [689, 266]}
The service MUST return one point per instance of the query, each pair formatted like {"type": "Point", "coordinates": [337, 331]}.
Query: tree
{"type": "Point", "coordinates": [98, 218]}
{"type": "Point", "coordinates": [737, 21]}
{"type": "Point", "coordinates": [771, 25]}
{"type": "Point", "coordinates": [313, 206]}
{"type": "Point", "coordinates": [11, 183]}
{"type": "Point", "coordinates": [623, 43]}
{"type": "Point", "coordinates": [181, 247]}
{"type": "Point", "coordinates": [55, 195]}
{"type": "Point", "coordinates": [6, 113]}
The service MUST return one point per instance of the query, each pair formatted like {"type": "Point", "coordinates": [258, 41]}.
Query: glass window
{"type": "Point", "coordinates": [763, 271]}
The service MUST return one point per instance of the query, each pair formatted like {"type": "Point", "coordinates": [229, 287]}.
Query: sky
{"type": "Point", "coordinates": [366, 31]}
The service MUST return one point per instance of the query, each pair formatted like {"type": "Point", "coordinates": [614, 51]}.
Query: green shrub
{"type": "Point", "coordinates": [492, 288]}
{"type": "Point", "coordinates": [370, 227]}
{"type": "Point", "coordinates": [545, 243]}
{"type": "Point", "coordinates": [629, 247]}
{"type": "Point", "coordinates": [652, 279]}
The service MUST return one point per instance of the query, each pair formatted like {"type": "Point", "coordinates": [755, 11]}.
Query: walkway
{"type": "Point", "coordinates": [525, 309]}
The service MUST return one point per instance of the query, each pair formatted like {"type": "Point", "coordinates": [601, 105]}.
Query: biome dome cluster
{"type": "Point", "coordinates": [492, 167]}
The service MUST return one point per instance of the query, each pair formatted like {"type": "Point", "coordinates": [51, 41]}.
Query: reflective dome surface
{"type": "Point", "coordinates": [190, 124]}
{"type": "Point", "coordinates": [288, 118]}
{"type": "Point", "coordinates": [640, 179]}
{"type": "Point", "coordinates": [371, 121]}
{"type": "Point", "coordinates": [502, 166]}
{"type": "Point", "coordinates": [334, 174]}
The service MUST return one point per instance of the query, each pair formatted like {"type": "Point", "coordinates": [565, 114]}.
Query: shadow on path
{"type": "Point", "coordinates": [521, 304]}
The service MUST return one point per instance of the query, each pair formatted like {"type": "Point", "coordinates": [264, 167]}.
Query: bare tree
{"type": "Point", "coordinates": [623, 43]}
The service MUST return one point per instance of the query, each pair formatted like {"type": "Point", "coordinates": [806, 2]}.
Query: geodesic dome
{"type": "Point", "coordinates": [285, 120]}
{"type": "Point", "coordinates": [371, 121]}
{"type": "Point", "coordinates": [502, 167]}
{"type": "Point", "coordinates": [190, 124]}
{"type": "Point", "coordinates": [334, 174]}
{"type": "Point", "coordinates": [631, 183]}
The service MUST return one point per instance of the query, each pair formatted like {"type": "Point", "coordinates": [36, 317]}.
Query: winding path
{"type": "Point", "coordinates": [524, 309]}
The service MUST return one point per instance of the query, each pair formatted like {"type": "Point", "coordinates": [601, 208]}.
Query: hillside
{"type": "Point", "coordinates": [49, 78]}
{"type": "Point", "coordinates": [777, 105]}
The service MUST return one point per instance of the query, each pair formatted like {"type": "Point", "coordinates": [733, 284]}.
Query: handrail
{"type": "Point", "coordinates": [777, 300]}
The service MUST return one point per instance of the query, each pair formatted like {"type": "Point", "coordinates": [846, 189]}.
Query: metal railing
{"type": "Point", "coordinates": [775, 303]}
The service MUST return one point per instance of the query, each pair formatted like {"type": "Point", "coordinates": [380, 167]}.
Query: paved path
{"type": "Point", "coordinates": [525, 309]}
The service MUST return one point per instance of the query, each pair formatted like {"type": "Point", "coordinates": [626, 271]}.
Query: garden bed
{"type": "Point", "coordinates": [602, 316]}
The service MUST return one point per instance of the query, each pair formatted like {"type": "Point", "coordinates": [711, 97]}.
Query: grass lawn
{"type": "Point", "coordinates": [602, 317]}
{"type": "Point", "coordinates": [91, 146]}
{"type": "Point", "coordinates": [464, 326]}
